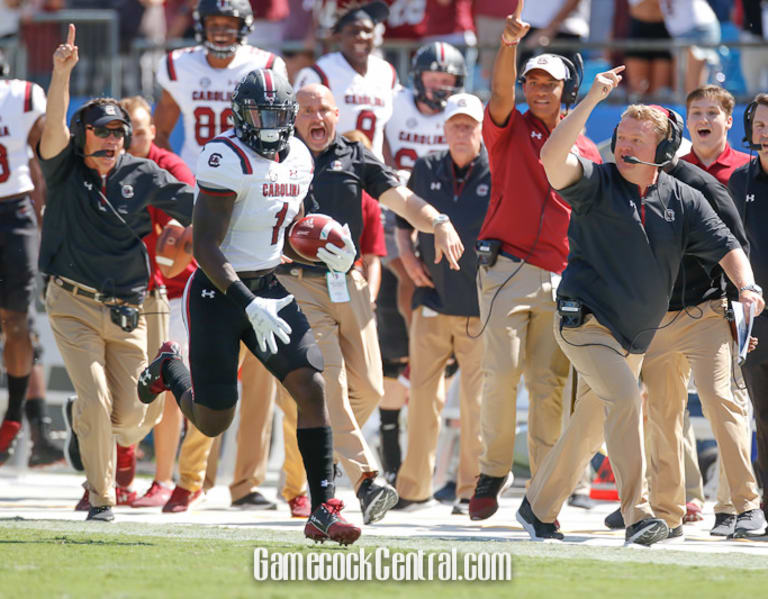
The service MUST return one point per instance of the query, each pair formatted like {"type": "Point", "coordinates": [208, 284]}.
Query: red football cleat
{"type": "Point", "coordinates": [327, 523]}
{"type": "Point", "coordinates": [151, 382]}
{"type": "Point", "coordinates": [300, 507]}
{"type": "Point", "coordinates": [692, 513]}
{"type": "Point", "coordinates": [156, 496]}
{"type": "Point", "coordinates": [124, 496]}
{"type": "Point", "coordinates": [8, 432]}
{"type": "Point", "coordinates": [180, 500]}
{"type": "Point", "coordinates": [84, 504]}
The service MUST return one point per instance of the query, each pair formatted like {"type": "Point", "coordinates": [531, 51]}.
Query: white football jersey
{"type": "Point", "coordinates": [21, 104]}
{"type": "Point", "coordinates": [365, 103]}
{"type": "Point", "coordinates": [269, 195]}
{"type": "Point", "coordinates": [204, 94]}
{"type": "Point", "coordinates": [411, 134]}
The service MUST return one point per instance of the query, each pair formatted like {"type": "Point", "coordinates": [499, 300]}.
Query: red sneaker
{"type": "Point", "coordinates": [84, 505]}
{"type": "Point", "coordinates": [300, 507]}
{"type": "Point", "coordinates": [180, 500]}
{"type": "Point", "coordinates": [692, 513]}
{"type": "Point", "coordinates": [124, 496]}
{"type": "Point", "coordinates": [8, 432]}
{"type": "Point", "coordinates": [485, 501]}
{"type": "Point", "coordinates": [327, 523]}
{"type": "Point", "coordinates": [157, 495]}
{"type": "Point", "coordinates": [126, 465]}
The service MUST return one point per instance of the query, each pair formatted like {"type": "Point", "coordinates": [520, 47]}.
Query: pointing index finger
{"type": "Point", "coordinates": [618, 69]}
{"type": "Point", "coordinates": [71, 35]}
{"type": "Point", "coordinates": [518, 9]}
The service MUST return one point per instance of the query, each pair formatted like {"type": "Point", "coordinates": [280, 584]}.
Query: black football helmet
{"type": "Point", "coordinates": [241, 9]}
{"type": "Point", "coordinates": [441, 57]}
{"type": "Point", "coordinates": [264, 110]}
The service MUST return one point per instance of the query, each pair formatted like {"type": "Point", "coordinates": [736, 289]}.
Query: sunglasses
{"type": "Point", "coordinates": [105, 132]}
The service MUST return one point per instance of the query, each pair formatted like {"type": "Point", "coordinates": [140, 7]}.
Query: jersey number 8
{"type": "Point", "coordinates": [205, 123]}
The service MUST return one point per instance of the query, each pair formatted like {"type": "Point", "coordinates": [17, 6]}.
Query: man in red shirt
{"type": "Point", "coordinates": [709, 116]}
{"type": "Point", "coordinates": [523, 248]}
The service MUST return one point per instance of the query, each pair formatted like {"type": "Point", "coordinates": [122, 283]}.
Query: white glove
{"type": "Point", "coordinates": [262, 312]}
{"type": "Point", "coordinates": [339, 259]}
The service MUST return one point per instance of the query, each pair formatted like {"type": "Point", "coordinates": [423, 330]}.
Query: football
{"type": "Point", "coordinates": [173, 251]}
{"type": "Point", "coordinates": [312, 232]}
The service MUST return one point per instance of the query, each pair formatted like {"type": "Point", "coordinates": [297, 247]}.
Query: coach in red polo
{"type": "Point", "coordinates": [523, 248]}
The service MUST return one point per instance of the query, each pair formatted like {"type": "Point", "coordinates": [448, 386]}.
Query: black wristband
{"type": "Point", "coordinates": [240, 294]}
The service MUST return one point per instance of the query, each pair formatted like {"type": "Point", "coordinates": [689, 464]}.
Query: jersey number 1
{"type": "Point", "coordinates": [280, 216]}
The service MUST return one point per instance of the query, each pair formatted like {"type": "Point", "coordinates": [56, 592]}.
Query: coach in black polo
{"type": "Point", "coordinates": [95, 218]}
{"type": "Point", "coordinates": [446, 320]}
{"type": "Point", "coordinates": [630, 227]}
{"type": "Point", "coordinates": [749, 187]}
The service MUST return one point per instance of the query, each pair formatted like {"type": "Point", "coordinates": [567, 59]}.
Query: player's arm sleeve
{"type": "Point", "coordinates": [220, 169]}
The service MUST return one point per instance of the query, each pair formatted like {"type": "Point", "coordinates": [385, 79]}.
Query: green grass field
{"type": "Point", "coordinates": [50, 559]}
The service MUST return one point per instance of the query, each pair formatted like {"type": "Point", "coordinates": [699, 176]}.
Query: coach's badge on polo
{"type": "Point", "coordinates": [337, 287]}
{"type": "Point", "coordinates": [127, 191]}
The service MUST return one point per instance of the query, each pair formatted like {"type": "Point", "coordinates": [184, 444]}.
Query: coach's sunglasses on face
{"type": "Point", "coordinates": [105, 132]}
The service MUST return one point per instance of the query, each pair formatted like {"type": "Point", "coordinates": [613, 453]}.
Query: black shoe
{"type": "Point", "coordinates": [254, 501]}
{"type": "Point", "coordinates": [460, 507]}
{"type": "Point", "coordinates": [646, 532]}
{"type": "Point", "coordinates": [724, 526]}
{"type": "Point", "coordinates": [375, 500]}
{"type": "Point", "coordinates": [151, 382]}
{"type": "Point", "coordinates": [749, 524]}
{"type": "Point", "coordinates": [103, 513]}
{"type": "Point", "coordinates": [413, 505]}
{"type": "Point", "coordinates": [580, 500]}
{"type": "Point", "coordinates": [447, 493]}
{"type": "Point", "coordinates": [539, 531]}
{"type": "Point", "coordinates": [614, 520]}
{"type": "Point", "coordinates": [44, 451]}
{"type": "Point", "coordinates": [675, 535]}
{"type": "Point", "coordinates": [72, 447]}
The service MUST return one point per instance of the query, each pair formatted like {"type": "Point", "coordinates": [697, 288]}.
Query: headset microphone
{"type": "Point", "coordinates": [634, 160]}
{"type": "Point", "coordinates": [755, 147]}
{"type": "Point", "coordinates": [98, 154]}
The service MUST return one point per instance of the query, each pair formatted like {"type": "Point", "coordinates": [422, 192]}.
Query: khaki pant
{"type": "Point", "coordinates": [103, 362]}
{"type": "Point", "coordinates": [253, 437]}
{"type": "Point", "coordinates": [701, 346]}
{"type": "Point", "coordinates": [354, 383]}
{"type": "Point", "coordinates": [432, 340]}
{"type": "Point", "coordinates": [518, 340]}
{"type": "Point", "coordinates": [608, 406]}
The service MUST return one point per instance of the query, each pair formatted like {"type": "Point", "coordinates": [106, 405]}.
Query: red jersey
{"type": "Point", "coordinates": [452, 18]}
{"type": "Point", "coordinates": [522, 200]}
{"type": "Point", "coordinates": [722, 168]}
{"type": "Point", "coordinates": [176, 166]}
{"type": "Point", "coordinates": [372, 236]}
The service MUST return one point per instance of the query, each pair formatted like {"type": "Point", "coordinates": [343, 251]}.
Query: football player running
{"type": "Point", "coordinates": [198, 82]}
{"type": "Point", "coordinates": [252, 181]}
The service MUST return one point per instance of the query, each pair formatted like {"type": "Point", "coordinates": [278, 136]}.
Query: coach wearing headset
{"type": "Point", "coordinates": [630, 227]}
{"type": "Point", "coordinates": [749, 187]}
{"type": "Point", "coordinates": [95, 218]}
{"type": "Point", "coordinates": [522, 249]}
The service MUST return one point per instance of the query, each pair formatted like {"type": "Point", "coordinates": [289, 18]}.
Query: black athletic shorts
{"type": "Point", "coordinates": [19, 244]}
{"type": "Point", "coordinates": [217, 326]}
{"type": "Point", "coordinates": [643, 30]}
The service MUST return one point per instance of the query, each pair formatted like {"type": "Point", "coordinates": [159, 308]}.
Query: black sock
{"type": "Point", "coordinates": [316, 447]}
{"type": "Point", "coordinates": [17, 393]}
{"type": "Point", "coordinates": [177, 378]}
{"type": "Point", "coordinates": [34, 408]}
{"type": "Point", "coordinates": [389, 430]}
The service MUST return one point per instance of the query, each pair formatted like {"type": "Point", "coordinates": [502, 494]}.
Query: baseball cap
{"type": "Point", "coordinates": [551, 63]}
{"type": "Point", "coordinates": [99, 115]}
{"type": "Point", "coordinates": [464, 103]}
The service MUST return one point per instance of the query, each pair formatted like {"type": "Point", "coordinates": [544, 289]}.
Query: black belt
{"type": "Point", "coordinates": [257, 283]}
{"type": "Point", "coordinates": [510, 256]}
{"type": "Point", "coordinates": [94, 295]}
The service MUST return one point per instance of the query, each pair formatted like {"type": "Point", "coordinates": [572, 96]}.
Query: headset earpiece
{"type": "Point", "coordinates": [77, 128]}
{"type": "Point", "coordinates": [667, 147]}
{"type": "Point", "coordinates": [749, 114]}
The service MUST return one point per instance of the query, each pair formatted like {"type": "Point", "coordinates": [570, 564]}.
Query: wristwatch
{"type": "Point", "coordinates": [440, 219]}
{"type": "Point", "coordinates": [754, 288]}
